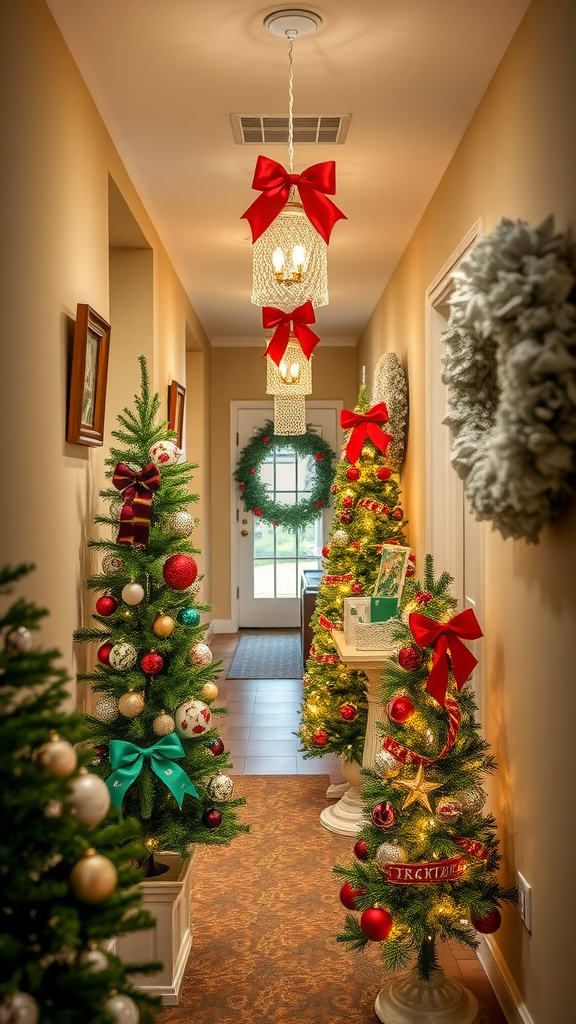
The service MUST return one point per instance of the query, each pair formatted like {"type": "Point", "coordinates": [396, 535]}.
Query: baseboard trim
{"type": "Point", "coordinates": [223, 626]}
{"type": "Point", "coordinates": [502, 982]}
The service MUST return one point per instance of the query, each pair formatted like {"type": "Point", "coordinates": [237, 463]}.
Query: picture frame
{"type": "Point", "coordinates": [88, 379]}
{"type": "Point", "coordinates": [392, 572]}
{"type": "Point", "coordinates": [176, 401]}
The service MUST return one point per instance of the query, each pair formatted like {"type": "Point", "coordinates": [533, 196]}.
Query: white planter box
{"type": "Point", "coordinates": [167, 897]}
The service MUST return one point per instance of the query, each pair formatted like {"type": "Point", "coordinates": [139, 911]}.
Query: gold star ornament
{"type": "Point", "coordinates": [419, 789]}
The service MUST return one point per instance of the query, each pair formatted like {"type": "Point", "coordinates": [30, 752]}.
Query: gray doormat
{"type": "Point", "coordinates": [273, 656]}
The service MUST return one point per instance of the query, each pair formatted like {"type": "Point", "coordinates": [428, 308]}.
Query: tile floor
{"type": "Point", "coordinates": [259, 730]}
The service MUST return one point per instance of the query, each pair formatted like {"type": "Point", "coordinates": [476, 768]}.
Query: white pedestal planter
{"type": "Point", "coordinates": [345, 817]}
{"type": "Point", "coordinates": [167, 897]}
{"type": "Point", "coordinates": [408, 1000]}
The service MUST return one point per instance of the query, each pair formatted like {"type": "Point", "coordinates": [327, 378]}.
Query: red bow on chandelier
{"type": "Point", "coordinates": [445, 637]}
{"type": "Point", "coordinates": [363, 425]}
{"type": "Point", "coordinates": [299, 318]}
{"type": "Point", "coordinates": [314, 184]}
{"type": "Point", "coordinates": [135, 514]}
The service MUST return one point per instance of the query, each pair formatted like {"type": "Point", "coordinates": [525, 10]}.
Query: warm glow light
{"type": "Point", "coordinates": [298, 258]}
{"type": "Point", "coordinates": [278, 260]}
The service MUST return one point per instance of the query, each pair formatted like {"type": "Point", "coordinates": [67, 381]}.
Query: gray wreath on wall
{"type": "Point", "coordinates": [390, 387]}
{"type": "Point", "coordinates": [510, 368]}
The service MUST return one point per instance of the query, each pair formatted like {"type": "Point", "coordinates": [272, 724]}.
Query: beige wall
{"type": "Point", "coordinates": [237, 374]}
{"type": "Point", "coordinates": [517, 159]}
{"type": "Point", "coordinates": [57, 158]}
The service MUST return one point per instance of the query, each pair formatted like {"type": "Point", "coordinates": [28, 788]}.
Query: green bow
{"type": "Point", "coordinates": [128, 759]}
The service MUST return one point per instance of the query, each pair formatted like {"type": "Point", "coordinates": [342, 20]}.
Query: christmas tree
{"type": "Point", "coordinates": [426, 862]}
{"type": "Point", "coordinates": [153, 726]}
{"type": "Point", "coordinates": [367, 515]}
{"type": "Point", "coordinates": [66, 886]}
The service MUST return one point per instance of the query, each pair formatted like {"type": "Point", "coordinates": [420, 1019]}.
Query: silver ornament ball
{"type": "Point", "coordinates": [385, 765]}
{"type": "Point", "coordinates": [106, 710]}
{"type": "Point", "coordinates": [19, 1008]}
{"type": "Point", "coordinates": [94, 959]}
{"type": "Point", "coordinates": [123, 656]}
{"type": "Point", "coordinates": [123, 1009]}
{"type": "Point", "coordinates": [339, 539]}
{"type": "Point", "coordinates": [89, 800]}
{"type": "Point", "coordinates": [220, 787]}
{"type": "Point", "coordinates": [19, 641]}
{"type": "Point", "coordinates": [180, 524]}
{"type": "Point", "coordinates": [472, 799]}
{"type": "Point", "coordinates": [389, 853]}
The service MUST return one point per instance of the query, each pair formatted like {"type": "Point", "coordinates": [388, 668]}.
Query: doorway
{"type": "Point", "coordinates": [269, 560]}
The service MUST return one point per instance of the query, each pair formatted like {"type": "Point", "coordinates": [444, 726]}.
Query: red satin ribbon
{"type": "Point", "coordinates": [314, 184]}
{"type": "Point", "coordinates": [299, 318]}
{"type": "Point", "coordinates": [138, 491]}
{"type": "Point", "coordinates": [446, 637]}
{"type": "Point", "coordinates": [365, 425]}
{"type": "Point", "coordinates": [406, 756]}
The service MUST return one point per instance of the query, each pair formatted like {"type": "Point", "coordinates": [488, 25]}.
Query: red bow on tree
{"type": "Point", "coordinates": [138, 492]}
{"type": "Point", "coordinates": [445, 638]}
{"type": "Point", "coordinates": [363, 425]}
{"type": "Point", "coordinates": [314, 184]}
{"type": "Point", "coordinates": [299, 318]}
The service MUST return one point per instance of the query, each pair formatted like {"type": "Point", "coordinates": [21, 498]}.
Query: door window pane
{"type": "Point", "coordinates": [286, 579]}
{"type": "Point", "coordinates": [285, 473]}
{"type": "Point", "coordinates": [285, 543]}
{"type": "Point", "coordinates": [307, 540]}
{"type": "Point", "coordinates": [267, 474]}
{"type": "Point", "coordinates": [263, 578]}
{"type": "Point", "coordinates": [263, 539]}
{"type": "Point", "coordinates": [305, 473]}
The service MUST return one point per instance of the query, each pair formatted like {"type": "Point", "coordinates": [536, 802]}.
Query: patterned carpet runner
{"type": "Point", "coordinates": [267, 656]}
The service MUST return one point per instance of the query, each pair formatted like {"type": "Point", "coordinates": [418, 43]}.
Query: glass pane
{"type": "Point", "coordinates": [308, 563]}
{"type": "Point", "coordinates": [307, 540]}
{"type": "Point", "coordinates": [267, 474]}
{"type": "Point", "coordinates": [264, 578]}
{"type": "Point", "coordinates": [305, 473]}
{"type": "Point", "coordinates": [286, 497]}
{"type": "Point", "coordinates": [285, 543]}
{"type": "Point", "coordinates": [286, 472]}
{"type": "Point", "coordinates": [286, 579]}
{"type": "Point", "coordinates": [263, 539]}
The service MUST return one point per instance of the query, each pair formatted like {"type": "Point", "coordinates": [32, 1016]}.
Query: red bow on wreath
{"type": "Point", "coordinates": [299, 318]}
{"type": "Point", "coordinates": [445, 638]}
{"type": "Point", "coordinates": [138, 492]}
{"type": "Point", "coordinates": [314, 184]}
{"type": "Point", "coordinates": [363, 425]}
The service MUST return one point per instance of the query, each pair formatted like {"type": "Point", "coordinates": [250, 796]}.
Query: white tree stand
{"type": "Point", "coordinates": [345, 817]}
{"type": "Point", "coordinates": [408, 1000]}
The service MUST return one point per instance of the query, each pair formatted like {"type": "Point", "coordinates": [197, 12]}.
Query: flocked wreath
{"type": "Point", "coordinates": [510, 367]}
{"type": "Point", "coordinates": [254, 494]}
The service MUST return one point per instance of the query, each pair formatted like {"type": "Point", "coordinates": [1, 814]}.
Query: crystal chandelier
{"type": "Point", "coordinates": [289, 383]}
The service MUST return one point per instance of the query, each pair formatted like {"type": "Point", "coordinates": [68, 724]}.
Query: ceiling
{"type": "Point", "coordinates": [167, 74]}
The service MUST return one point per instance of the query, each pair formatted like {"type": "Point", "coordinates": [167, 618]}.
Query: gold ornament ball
{"type": "Point", "coordinates": [19, 1008]}
{"type": "Point", "coordinates": [58, 758]}
{"type": "Point", "coordinates": [131, 704]}
{"type": "Point", "coordinates": [89, 799]}
{"type": "Point", "coordinates": [94, 878]}
{"type": "Point", "coordinates": [210, 691]}
{"type": "Point", "coordinates": [164, 625]}
{"type": "Point", "coordinates": [163, 725]}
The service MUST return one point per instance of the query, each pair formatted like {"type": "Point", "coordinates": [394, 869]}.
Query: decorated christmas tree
{"type": "Point", "coordinates": [153, 727]}
{"type": "Point", "coordinates": [426, 861]}
{"type": "Point", "coordinates": [66, 885]}
{"type": "Point", "coordinates": [367, 515]}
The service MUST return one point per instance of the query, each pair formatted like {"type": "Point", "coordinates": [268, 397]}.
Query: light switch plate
{"type": "Point", "coordinates": [525, 901]}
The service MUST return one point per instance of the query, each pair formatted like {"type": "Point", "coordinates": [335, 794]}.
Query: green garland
{"type": "Point", "coordinates": [254, 494]}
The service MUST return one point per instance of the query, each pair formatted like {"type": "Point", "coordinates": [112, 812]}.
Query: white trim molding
{"type": "Point", "coordinates": [505, 989]}
{"type": "Point", "coordinates": [223, 626]}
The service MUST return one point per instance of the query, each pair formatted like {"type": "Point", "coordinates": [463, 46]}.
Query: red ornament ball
{"type": "Point", "coordinates": [104, 654]}
{"type": "Point", "coordinates": [325, 551]}
{"type": "Point", "coordinates": [410, 571]}
{"type": "Point", "coordinates": [383, 815]}
{"type": "Point", "coordinates": [376, 924]}
{"type": "Point", "coordinates": [106, 605]}
{"type": "Point", "coordinates": [320, 737]}
{"type": "Point", "coordinates": [242, 487]}
{"type": "Point", "coordinates": [345, 518]}
{"type": "Point", "coordinates": [355, 545]}
{"type": "Point", "coordinates": [400, 709]}
{"type": "Point", "coordinates": [423, 598]}
{"type": "Point", "coordinates": [488, 924]}
{"type": "Point", "coordinates": [348, 712]}
{"type": "Point", "coordinates": [252, 469]}
{"type": "Point", "coordinates": [384, 512]}
{"type": "Point", "coordinates": [257, 511]}
{"type": "Point", "coordinates": [348, 895]}
{"type": "Point", "coordinates": [353, 474]}
{"type": "Point", "coordinates": [211, 818]}
{"type": "Point", "coordinates": [357, 588]}
{"type": "Point", "coordinates": [318, 456]}
{"type": "Point", "coordinates": [409, 658]}
{"type": "Point", "coordinates": [334, 488]}
{"type": "Point", "coordinates": [398, 513]}
{"type": "Point", "coordinates": [266, 440]}
{"type": "Point", "coordinates": [348, 502]}
{"type": "Point", "coordinates": [361, 850]}
{"type": "Point", "coordinates": [383, 473]}
{"type": "Point", "coordinates": [101, 753]}
{"type": "Point", "coordinates": [319, 503]}
{"type": "Point", "coordinates": [152, 663]}
{"type": "Point", "coordinates": [216, 747]}
{"type": "Point", "coordinates": [179, 571]}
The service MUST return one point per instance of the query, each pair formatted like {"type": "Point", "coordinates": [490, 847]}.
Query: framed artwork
{"type": "Point", "coordinates": [87, 397]}
{"type": "Point", "coordinates": [176, 399]}
{"type": "Point", "coordinates": [392, 573]}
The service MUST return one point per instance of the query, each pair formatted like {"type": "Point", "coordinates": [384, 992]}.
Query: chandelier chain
{"type": "Point", "coordinates": [290, 108]}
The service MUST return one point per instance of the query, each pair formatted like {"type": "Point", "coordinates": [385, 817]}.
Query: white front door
{"type": "Point", "coordinates": [271, 559]}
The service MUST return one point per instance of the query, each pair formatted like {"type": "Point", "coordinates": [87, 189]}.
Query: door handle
{"type": "Point", "coordinates": [244, 533]}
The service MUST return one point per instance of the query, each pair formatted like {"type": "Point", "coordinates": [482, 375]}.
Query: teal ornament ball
{"type": "Point", "coordinates": [189, 616]}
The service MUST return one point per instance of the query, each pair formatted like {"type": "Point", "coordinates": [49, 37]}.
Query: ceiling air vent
{"type": "Point", "coordinates": [259, 130]}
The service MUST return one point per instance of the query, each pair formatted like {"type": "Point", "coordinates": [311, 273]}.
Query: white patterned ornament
{"type": "Point", "coordinates": [123, 1009]}
{"type": "Point", "coordinates": [164, 453]}
{"type": "Point", "coordinates": [448, 808]}
{"type": "Point", "coordinates": [163, 725]}
{"type": "Point", "coordinates": [193, 718]}
{"type": "Point", "coordinates": [131, 704]}
{"type": "Point", "coordinates": [220, 787]}
{"type": "Point", "coordinates": [180, 524]}
{"type": "Point", "coordinates": [112, 563]}
{"type": "Point", "coordinates": [389, 853]}
{"type": "Point", "coordinates": [88, 800]}
{"type": "Point", "coordinates": [339, 539]}
{"type": "Point", "coordinates": [107, 710]}
{"type": "Point", "coordinates": [200, 655]}
{"type": "Point", "coordinates": [123, 656]}
{"type": "Point", "coordinates": [132, 593]}
{"type": "Point", "coordinates": [19, 1008]}
{"type": "Point", "coordinates": [196, 587]}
